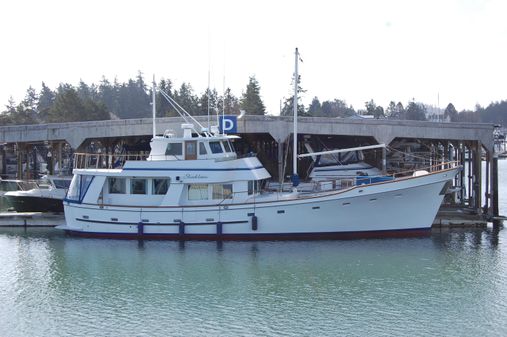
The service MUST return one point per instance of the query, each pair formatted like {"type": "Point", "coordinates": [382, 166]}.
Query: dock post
{"type": "Point", "coordinates": [280, 159]}
{"type": "Point", "coordinates": [497, 223]}
{"type": "Point", "coordinates": [478, 177]}
{"type": "Point", "coordinates": [60, 160]}
{"type": "Point", "coordinates": [461, 175]}
{"type": "Point", "coordinates": [487, 192]}
{"type": "Point", "coordinates": [384, 160]}
{"type": "Point", "coordinates": [19, 161]}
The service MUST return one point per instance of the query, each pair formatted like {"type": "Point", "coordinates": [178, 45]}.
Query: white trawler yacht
{"type": "Point", "coordinates": [194, 186]}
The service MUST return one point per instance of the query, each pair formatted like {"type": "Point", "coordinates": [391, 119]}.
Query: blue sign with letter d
{"type": "Point", "coordinates": [228, 124]}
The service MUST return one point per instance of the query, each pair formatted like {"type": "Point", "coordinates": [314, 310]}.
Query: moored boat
{"type": "Point", "coordinates": [45, 196]}
{"type": "Point", "coordinates": [194, 186]}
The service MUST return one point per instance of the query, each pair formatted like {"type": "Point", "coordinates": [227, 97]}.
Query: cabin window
{"type": "Point", "coordinates": [160, 186]}
{"type": "Point", "coordinates": [73, 192]}
{"type": "Point", "coordinates": [250, 187]}
{"type": "Point", "coordinates": [8, 186]}
{"type": "Point", "coordinates": [215, 147]}
{"type": "Point", "coordinates": [61, 183]}
{"type": "Point", "coordinates": [227, 146]}
{"type": "Point", "coordinates": [222, 191]}
{"type": "Point", "coordinates": [202, 148]}
{"type": "Point", "coordinates": [173, 149]}
{"type": "Point", "coordinates": [198, 192]}
{"type": "Point", "coordinates": [137, 186]}
{"type": "Point", "coordinates": [117, 186]}
{"type": "Point", "coordinates": [79, 187]}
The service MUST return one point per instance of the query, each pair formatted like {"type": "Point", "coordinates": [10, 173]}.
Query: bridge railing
{"type": "Point", "coordinates": [104, 161]}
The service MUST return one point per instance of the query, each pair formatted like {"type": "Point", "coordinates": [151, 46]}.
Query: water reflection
{"type": "Point", "coordinates": [269, 288]}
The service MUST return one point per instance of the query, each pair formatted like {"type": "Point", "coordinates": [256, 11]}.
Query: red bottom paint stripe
{"type": "Point", "coordinates": [417, 232]}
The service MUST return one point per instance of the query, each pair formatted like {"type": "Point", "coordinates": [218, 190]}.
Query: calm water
{"type": "Point", "coordinates": [452, 283]}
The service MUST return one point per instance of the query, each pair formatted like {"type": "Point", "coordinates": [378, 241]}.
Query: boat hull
{"type": "Point", "coordinates": [405, 207]}
{"type": "Point", "coordinates": [34, 204]}
{"type": "Point", "coordinates": [417, 232]}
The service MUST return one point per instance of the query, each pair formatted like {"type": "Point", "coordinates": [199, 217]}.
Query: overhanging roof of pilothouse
{"type": "Point", "coordinates": [280, 128]}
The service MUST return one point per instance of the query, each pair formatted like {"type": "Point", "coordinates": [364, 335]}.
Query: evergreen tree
{"type": "Point", "coordinates": [416, 112]}
{"type": "Point", "coordinates": [315, 108]}
{"type": "Point", "coordinates": [391, 110]}
{"type": "Point", "coordinates": [109, 95]}
{"type": "Point", "coordinates": [209, 97]}
{"type": "Point", "coordinates": [69, 107]}
{"type": "Point", "coordinates": [232, 105]}
{"type": "Point", "coordinates": [374, 110]}
{"type": "Point", "coordinates": [46, 100]}
{"type": "Point", "coordinates": [336, 108]}
{"type": "Point", "coordinates": [7, 115]}
{"type": "Point", "coordinates": [251, 101]}
{"type": "Point", "coordinates": [288, 105]}
{"type": "Point", "coordinates": [451, 112]}
{"type": "Point", "coordinates": [164, 108]}
{"type": "Point", "coordinates": [186, 98]}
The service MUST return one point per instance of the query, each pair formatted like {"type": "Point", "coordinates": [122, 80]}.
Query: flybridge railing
{"type": "Point", "coordinates": [340, 183]}
{"type": "Point", "coordinates": [104, 161]}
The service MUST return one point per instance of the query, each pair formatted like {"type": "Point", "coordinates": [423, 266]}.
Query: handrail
{"type": "Point", "coordinates": [105, 161]}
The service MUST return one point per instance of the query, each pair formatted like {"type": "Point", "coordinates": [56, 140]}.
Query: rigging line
{"type": "Point", "coordinates": [171, 100]}
{"type": "Point", "coordinates": [407, 153]}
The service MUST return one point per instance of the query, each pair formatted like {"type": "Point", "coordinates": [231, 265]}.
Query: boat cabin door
{"type": "Point", "coordinates": [191, 150]}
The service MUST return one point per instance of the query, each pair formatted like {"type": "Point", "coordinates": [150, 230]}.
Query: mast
{"type": "Point", "coordinates": [295, 177]}
{"type": "Point", "coordinates": [154, 107]}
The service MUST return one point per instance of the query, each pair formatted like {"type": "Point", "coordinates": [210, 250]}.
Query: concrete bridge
{"type": "Point", "coordinates": [280, 128]}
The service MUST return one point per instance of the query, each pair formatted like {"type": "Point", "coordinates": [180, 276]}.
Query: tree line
{"type": "Point", "coordinates": [131, 99]}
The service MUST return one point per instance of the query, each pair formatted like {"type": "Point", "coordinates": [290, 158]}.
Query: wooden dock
{"type": "Point", "coordinates": [31, 219]}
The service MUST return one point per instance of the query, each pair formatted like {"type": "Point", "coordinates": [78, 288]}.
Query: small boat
{"type": "Point", "coordinates": [193, 186]}
{"type": "Point", "coordinates": [338, 163]}
{"type": "Point", "coordinates": [45, 196]}
{"type": "Point", "coordinates": [7, 185]}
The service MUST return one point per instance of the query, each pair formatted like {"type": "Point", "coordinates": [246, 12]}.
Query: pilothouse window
{"type": "Point", "coordinates": [202, 148]}
{"type": "Point", "coordinates": [227, 146]}
{"type": "Point", "coordinates": [215, 147]}
{"type": "Point", "coordinates": [173, 149]}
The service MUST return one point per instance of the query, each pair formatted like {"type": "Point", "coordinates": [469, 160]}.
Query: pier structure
{"type": "Point", "coordinates": [427, 143]}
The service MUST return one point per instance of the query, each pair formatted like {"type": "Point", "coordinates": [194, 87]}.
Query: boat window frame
{"type": "Point", "coordinates": [190, 196]}
{"type": "Point", "coordinates": [202, 149]}
{"type": "Point", "coordinates": [218, 191]}
{"type": "Point", "coordinates": [138, 192]}
{"type": "Point", "coordinates": [154, 189]}
{"type": "Point", "coordinates": [213, 147]}
{"type": "Point", "coordinates": [78, 188]}
{"type": "Point", "coordinates": [124, 185]}
{"type": "Point", "coordinates": [227, 146]}
{"type": "Point", "coordinates": [174, 149]}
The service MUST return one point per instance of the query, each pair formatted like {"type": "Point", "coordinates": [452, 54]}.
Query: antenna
{"type": "Point", "coordinates": [223, 97]}
{"type": "Point", "coordinates": [209, 71]}
{"type": "Point", "coordinates": [154, 107]}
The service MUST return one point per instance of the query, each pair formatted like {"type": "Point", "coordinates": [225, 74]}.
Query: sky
{"type": "Point", "coordinates": [432, 51]}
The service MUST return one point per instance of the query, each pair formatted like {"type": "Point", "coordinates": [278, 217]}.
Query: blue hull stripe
{"type": "Point", "coordinates": [193, 169]}
{"type": "Point", "coordinates": [161, 224]}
